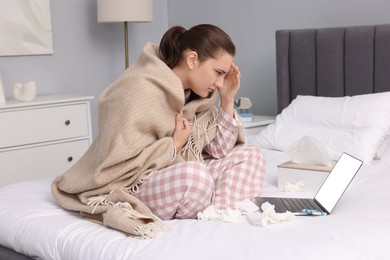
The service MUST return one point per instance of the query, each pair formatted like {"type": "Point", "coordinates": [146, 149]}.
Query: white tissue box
{"type": "Point", "coordinates": [311, 175]}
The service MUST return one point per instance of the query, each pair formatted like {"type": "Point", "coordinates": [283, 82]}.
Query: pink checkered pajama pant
{"type": "Point", "coordinates": [184, 189]}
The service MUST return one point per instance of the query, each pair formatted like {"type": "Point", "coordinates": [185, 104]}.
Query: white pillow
{"type": "Point", "coordinates": [385, 156]}
{"type": "Point", "coordinates": [356, 125]}
{"type": "Point", "coordinates": [383, 149]}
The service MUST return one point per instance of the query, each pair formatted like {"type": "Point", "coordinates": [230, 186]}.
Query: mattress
{"type": "Point", "coordinates": [33, 224]}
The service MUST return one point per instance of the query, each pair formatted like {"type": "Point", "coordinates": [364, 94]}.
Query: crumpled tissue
{"type": "Point", "coordinates": [293, 187]}
{"type": "Point", "coordinates": [228, 215]}
{"type": "Point", "coordinates": [311, 151]}
{"type": "Point", "coordinates": [246, 207]}
{"type": "Point", "coordinates": [269, 216]}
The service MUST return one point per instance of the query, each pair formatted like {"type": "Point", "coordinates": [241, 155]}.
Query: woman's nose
{"type": "Point", "coordinates": [219, 82]}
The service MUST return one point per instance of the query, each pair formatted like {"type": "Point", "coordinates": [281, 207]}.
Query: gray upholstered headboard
{"type": "Point", "coordinates": [332, 61]}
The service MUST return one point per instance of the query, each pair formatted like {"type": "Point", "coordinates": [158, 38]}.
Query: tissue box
{"type": "Point", "coordinates": [311, 175]}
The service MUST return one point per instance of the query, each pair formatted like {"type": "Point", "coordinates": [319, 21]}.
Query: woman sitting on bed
{"type": "Point", "coordinates": [163, 146]}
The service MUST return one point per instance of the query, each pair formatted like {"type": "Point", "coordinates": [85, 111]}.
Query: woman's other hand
{"type": "Point", "coordinates": [182, 132]}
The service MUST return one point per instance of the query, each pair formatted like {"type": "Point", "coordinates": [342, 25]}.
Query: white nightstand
{"type": "Point", "coordinates": [42, 138]}
{"type": "Point", "coordinates": [257, 124]}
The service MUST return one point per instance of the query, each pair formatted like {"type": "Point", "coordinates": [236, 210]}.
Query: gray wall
{"type": "Point", "coordinates": [252, 25]}
{"type": "Point", "coordinates": [88, 55]}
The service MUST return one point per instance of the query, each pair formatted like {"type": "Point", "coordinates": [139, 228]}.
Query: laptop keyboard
{"type": "Point", "coordinates": [298, 204]}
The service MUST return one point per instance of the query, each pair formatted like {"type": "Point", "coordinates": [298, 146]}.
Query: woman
{"type": "Point", "coordinates": [163, 148]}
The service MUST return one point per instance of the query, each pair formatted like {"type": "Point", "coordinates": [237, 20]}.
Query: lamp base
{"type": "Point", "coordinates": [126, 45]}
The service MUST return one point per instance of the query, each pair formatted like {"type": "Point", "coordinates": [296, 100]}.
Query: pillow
{"type": "Point", "coordinates": [356, 125]}
{"type": "Point", "coordinates": [385, 155]}
{"type": "Point", "coordinates": [383, 149]}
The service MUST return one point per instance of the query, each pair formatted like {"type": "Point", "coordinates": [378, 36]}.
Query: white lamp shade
{"type": "Point", "coordinates": [125, 10]}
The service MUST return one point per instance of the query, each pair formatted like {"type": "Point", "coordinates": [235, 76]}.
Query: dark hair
{"type": "Point", "coordinates": [206, 39]}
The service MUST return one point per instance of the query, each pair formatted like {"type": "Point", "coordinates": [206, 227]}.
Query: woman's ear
{"type": "Point", "coordinates": [192, 59]}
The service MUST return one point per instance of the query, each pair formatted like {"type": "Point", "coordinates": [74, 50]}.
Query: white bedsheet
{"type": "Point", "coordinates": [359, 228]}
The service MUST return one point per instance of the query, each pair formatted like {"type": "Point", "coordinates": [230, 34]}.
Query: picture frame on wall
{"type": "Point", "coordinates": [25, 27]}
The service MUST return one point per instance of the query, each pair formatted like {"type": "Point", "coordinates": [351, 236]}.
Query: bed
{"type": "Point", "coordinates": [345, 70]}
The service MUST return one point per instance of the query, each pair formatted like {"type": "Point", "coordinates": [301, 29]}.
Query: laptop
{"type": "Point", "coordinates": [327, 196]}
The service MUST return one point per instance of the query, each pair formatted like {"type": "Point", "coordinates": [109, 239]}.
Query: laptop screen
{"type": "Point", "coordinates": [337, 181]}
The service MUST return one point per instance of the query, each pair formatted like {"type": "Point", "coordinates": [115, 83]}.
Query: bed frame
{"type": "Point", "coordinates": [332, 62]}
{"type": "Point", "coordinates": [9, 254]}
{"type": "Point", "coordinates": [324, 62]}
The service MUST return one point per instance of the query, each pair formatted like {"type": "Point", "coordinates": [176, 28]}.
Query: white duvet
{"type": "Point", "coordinates": [359, 228]}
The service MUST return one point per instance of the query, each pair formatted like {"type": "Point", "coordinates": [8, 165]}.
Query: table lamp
{"type": "Point", "coordinates": [125, 11]}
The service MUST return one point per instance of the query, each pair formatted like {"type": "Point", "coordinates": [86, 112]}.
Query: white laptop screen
{"type": "Point", "coordinates": [337, 182]}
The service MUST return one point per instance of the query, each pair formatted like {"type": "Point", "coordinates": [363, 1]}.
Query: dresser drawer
{"type": "Point", "coordinates": [40, 161]}
{"type": "Point", "coordinates": [35, 125]}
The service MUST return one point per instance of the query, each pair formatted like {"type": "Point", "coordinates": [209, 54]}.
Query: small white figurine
{"type": "Point", "coordinates": [25, 92]}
